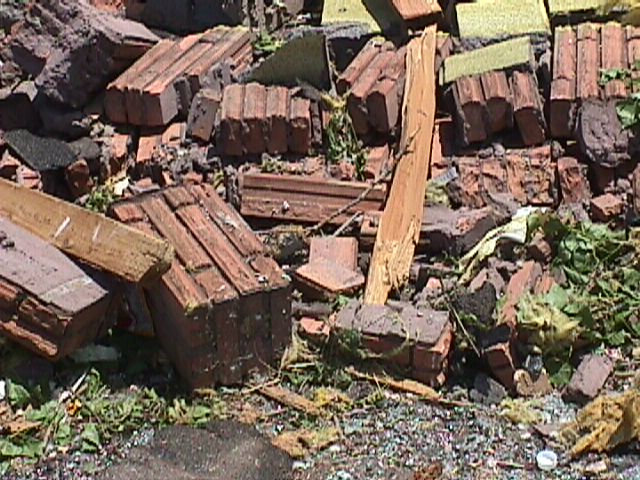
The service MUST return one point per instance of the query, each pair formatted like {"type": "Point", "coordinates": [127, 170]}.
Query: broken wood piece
{"type": "Point", "coordinates": [47, 303]}
{"type": "Point", "coordinates": [400, 223]}
{"type": "Point", "coordinates": [290, 399]}
{"type": "Point", "coordinates": [93, 239]}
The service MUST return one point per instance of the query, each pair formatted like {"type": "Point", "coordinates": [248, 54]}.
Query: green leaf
{"type": "Point", "coordinates": [4, 468]}
{"type": "Point", "coordinates": [628, 112]}
{"type": "Point", "coordinates": [18, 396]}
{"type": "Point", "coordinates": [557, 297]}
{"type": "Point", "coordinates": [63, 434]}
{"type": "Point", "coordinates": [562, 375]}
{"type": "Point", "coordinates": [616, 339]}
{"type": "Point", "coordinates": [9, 449]}
{"type": "Point", "coordinates": [90, 438]}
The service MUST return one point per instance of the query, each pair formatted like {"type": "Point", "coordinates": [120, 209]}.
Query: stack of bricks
{"type": "Point", "coordinates": [255, 119]}
{"type": "Point", "coordinates": [47, 303]}
{"type": "Point", "coordinates": [223, 309]}
{"type": "Point", "coordinates": [494, 101]}
{"type": "Point", "coordinates": [414, 340]}
{"type": "Point", "coordinates": [374, 83]}
{"type": "Point", "coordinates": [162, 83]}
{"type": "Point", "coordinates": [528, 175]}
{"type": "Point", "coordinates": [580, 53]}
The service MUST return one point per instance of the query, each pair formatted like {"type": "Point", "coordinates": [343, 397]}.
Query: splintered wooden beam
{"type": "Point", "coordinates": [91, 238]}
{"type": "Point", "coordinates": [399, 229]}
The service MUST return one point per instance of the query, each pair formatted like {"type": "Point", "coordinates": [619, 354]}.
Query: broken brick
{"type": "Point", "coordinates": [563, 83]}
{"type": "Point", "coordinates": [341, 250]}
{"type": "Point", "coordinates": [606, 207]}
{"type": "Point", "coordinates": [79, 178]}
{"type": "Point", "coordinates": [378, 160]}
{"type": "Point", "coordinates": [47, 303]}
{"type": "Point", "coordinates": [574, 185]}
{"type": "Point", "coordinates": [384, 98]}
{"type": "Point", "coordinates": [588, 379]}
{"type": "Point", "coordinates": [520, 283]}
{"type": "Point", "coordinates": [202, 114]}
{"type": "Point", "coordinates": [527, 108]}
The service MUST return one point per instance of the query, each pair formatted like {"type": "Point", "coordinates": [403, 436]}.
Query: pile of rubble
{"type": "Point", "coordinates": [157, 156]}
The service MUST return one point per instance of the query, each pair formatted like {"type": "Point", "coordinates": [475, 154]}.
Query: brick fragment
{"type": "Point", "coordinates": [79, 178]}
{"type": "Point", "coordinates": [499, 351]}
{"type": "Point", "coordinates": [377, 160]}
{"type": "Point", "coordinates": [349, 77]}
{"type": "Point", "coordinates": [574, 185]}
{"type": "Point", "coordinates": [589, 378]}
{"type": "Point", "coordinates": [522, 282]}
{"type": "Point", "coordinates": [563, 84]}
{"type": "Point", "coordinates": [385, 97]}
{"type": "Point", "coordinates": [471, 109]}
{"type": "Point", "coordinates": [341, 250]}
{"type": "Point", "coordinates": [588, 61]}
{"type": "Point", "coordinates": [606, 207]}
{"type": "Point", "coordinates": [527, 108]}
{"type": "Point", "coordinates": [203, 113]}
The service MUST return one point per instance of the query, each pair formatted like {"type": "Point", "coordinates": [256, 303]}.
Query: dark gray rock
{"type": "Point", "coordinates": [487, 391]}
{"type": "Point", "coordinates": [39, 153]}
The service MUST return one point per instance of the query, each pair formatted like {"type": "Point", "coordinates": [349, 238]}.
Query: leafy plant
{"type": "Point", "coordinates": [266, 44]}
{"type": "Point", "coordinates": [599, 300]}
{"type": "Point", "coordinates": [628, 109]}
{"type": "Point", "coordinates": [101, 198]}
{"type": "Point", "coordinates": [342, 142]}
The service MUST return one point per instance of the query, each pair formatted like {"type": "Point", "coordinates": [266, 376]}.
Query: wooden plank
{"type": "Point", "coordinates": [400, 223]}
{"type": "Point", "coordinates": [93, 239]}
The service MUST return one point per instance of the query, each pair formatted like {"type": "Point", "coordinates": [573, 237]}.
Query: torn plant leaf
{"type": "Point", "coordinates": [545, 325]}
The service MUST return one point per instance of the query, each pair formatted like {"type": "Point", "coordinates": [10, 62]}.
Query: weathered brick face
{"type": "Point", "coordinates": [223, 309]}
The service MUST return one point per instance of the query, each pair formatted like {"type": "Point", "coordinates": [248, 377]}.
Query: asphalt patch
{"type": "Point", "coordinates": [222, 451]}
{"type": "Point", "coordinates": [39, 153]}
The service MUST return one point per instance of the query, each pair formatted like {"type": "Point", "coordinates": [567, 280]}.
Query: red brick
{"type": "Point", "coordinates": [377, 160]}
{"type": "Point", "coordinates": [341, 250]}
{"type": "Point", "coordinates": [203, 113]}
{"type": "Point", "coordinates": [520, 283]}
{"type": "Point", "coordinates": [119, 150]}
{"type": "Point", "coordinates": [527, 108]}
{"type": "Point", "coordinates": [9, 297]}
{"type": "Point", "coordinates": [295, 198]}
{"type": "Point", "coordinates": [412, 10]}
{"type": "Point", "coordinates": [563, 84]}
{"type": "Point", "coordinates": [613, 51]}
{"type": "Point", "coordinates": [471, 109]}
{"type": "Point", "coordinates": [79, 178]}
{"type": "Point", "coordinates": [146, 148]}
{"type": "Point", "coordinates": [300, 126]}
{"type": "Point", "coordinates": [495, 87]}
{"type": "Point", "coordinates": [606, 207]}
{"type": "Point", "coordinates": [494, 177]}
{"type": "Point", "coordinates": [501, 358]}
{"type": "Point", "coordinates": [221, 310]}
{"type": "Point", "coordinates": [277, 115]}
{"type": "Point", "coordinates": [588, 61]}
{"type": "Point", "coordinates": [314, 329]}
{"type": "Point", "coordinates": [325, 279]}
{"type": "Point", "coordinates": [573, 181]}
{"type": "Point", "coordinates": [254, 119]}
{"type": "Point", "coordinates": [633, 49]}
{"type": "Point", "coordinates": [353, 72]}
{"type": "Point", "coordinates": [357, 99]}
{"type": "Point", "coordinates": [230, 138]}
{"type": "Point", "coordinates": [589, 378]}
{"type": "Point", "coordinates": [384, 98]}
